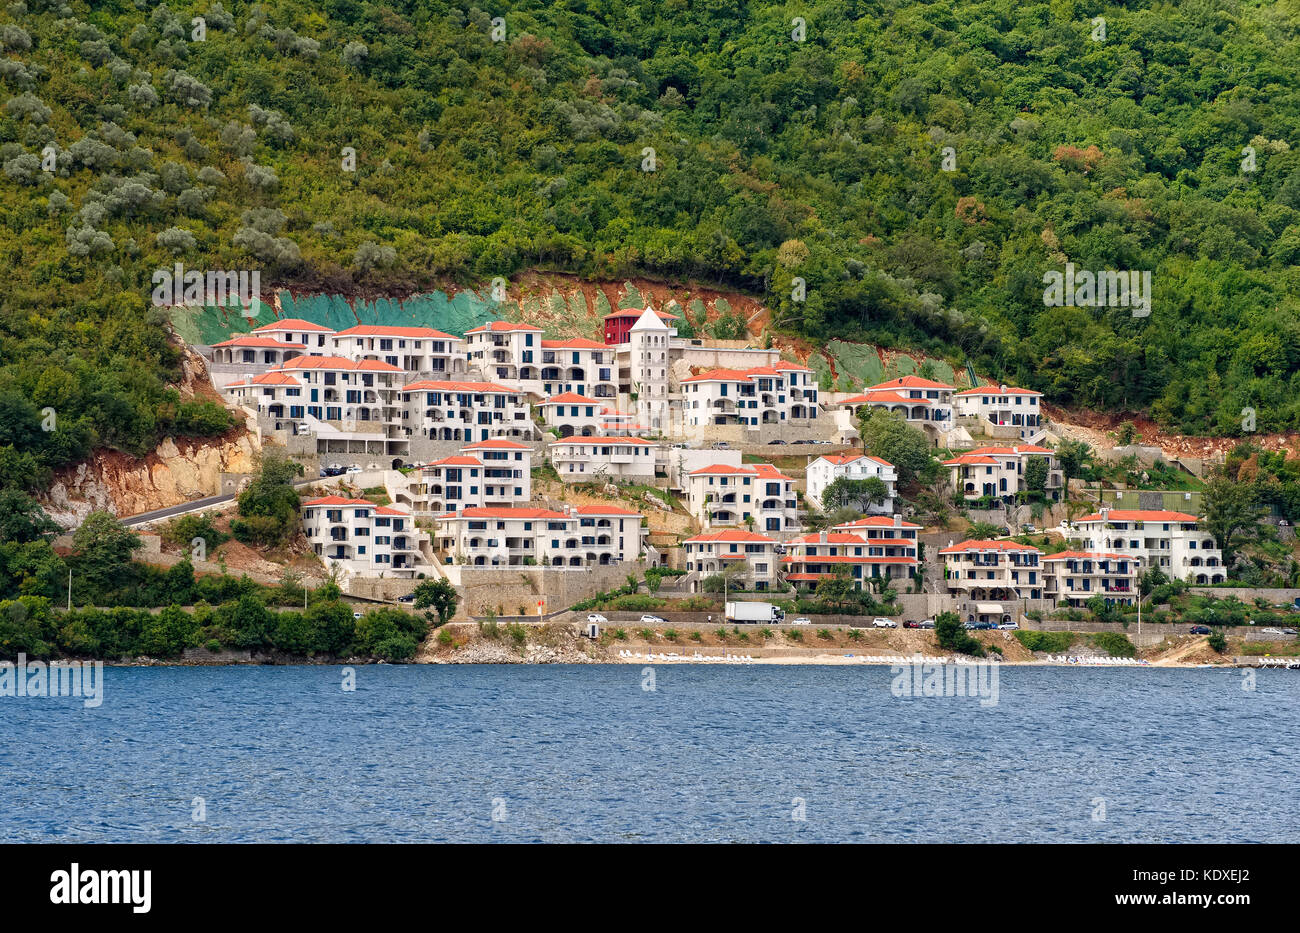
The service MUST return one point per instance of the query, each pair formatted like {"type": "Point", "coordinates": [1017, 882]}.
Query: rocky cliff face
{"type": "Point", "coordinates": [175, 472]}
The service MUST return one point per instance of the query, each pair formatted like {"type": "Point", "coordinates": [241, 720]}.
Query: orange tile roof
{"type": "Point", "coordinates": [505, 512]}
{"type": "Point", "coordinates": [434, 385]}
{"type": "Point", "coordinates": [457, 461]}
{"type": "Point", "coordinates": [338, 362]}
{"type": "Point", "coordinates": [249, 340]}
{"type": "Point", "coordinates": [732, 535]}
{"type": "Point", "coordinates": [382, 330]}
{"type": "Point", "coordinates": [1094, 555]}
{"type": "Point", "coordinates": [885, 396]}
{"type": "Point", "coordinates": [496, 443]}
{"type": "Point", "coordinates": [1016, 449]}
{"type": "Point", "coordinates": [500, 327]}
{"type": "Point", "coordinates": [997, 390]}
{"type": "Point", "coordinates": [845, 459]}
{"type": "Point", "coordinates": [842, 537]}
{"type": "Point", "coordinates": [744, 375]}
{"type": "Point", "coordinates": [846, 559]}
{"type": "Point", "coordinates": [968, 459]}
{"type": "Point", "coordinates": [909, 382]}
{"type": "Point", "coordinates": [294, 323]}
{"type": "Point", "coordinates": [877, 521]}
{"type": "Point", "coordinates": [389, 510]}
{"type": "Point", "coordinates": [1140, 515]}
{"type": "Point", "coordinates": [594, 440]}
{"type": "Point", "coordinates": [339, 500]}
{"type": "Point", "coordinates": [988, 546]}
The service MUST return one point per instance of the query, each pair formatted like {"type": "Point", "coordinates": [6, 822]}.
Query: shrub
{"type": "Point", "coordinates": [1115, 644]}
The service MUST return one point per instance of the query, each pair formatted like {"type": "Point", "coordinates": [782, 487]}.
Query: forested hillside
{"type": "Point", "coordinates": [1164, 139]}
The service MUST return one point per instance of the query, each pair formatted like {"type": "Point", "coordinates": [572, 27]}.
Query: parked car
{"type": "Point", "coordinates": [354, 469]}
{"type": "Point", "coordinates": [1270, 631]}
{"type": "Point", "coordinates": [1028, 528]}
{"type": "Point", "coordinates": [884, 623]}
{"type": "Point", "coordinates": [925, 623]}
{"type": "Point", "coordinates": [1288, 631]}
{"type": "Point", "coordinates": [1200, 630]}
{"type": "Point", "coordinates": [408, 598]}
{"type": "Point", "coordinates": [1009, 626]}
{"type": "Point", "coordinates": [802, 620]}
{"type": "Point", "coordinates": [911, 623]}
{"type": "Point", "coordinates": [356, 615]}
{"type": "Point", "coordinates": [981, 626]}
{"type": "Point", "coordinates": [649, 620]}
{"type": "Point", "coordinates": [777, 441]}
{"type": "Point", "coordinates": [801, 442]}
{"type": "Point", "coordinates": [597, 618]}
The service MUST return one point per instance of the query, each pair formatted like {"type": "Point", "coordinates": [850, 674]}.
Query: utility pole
{"type": "Point", "coordinates": [69, 589]}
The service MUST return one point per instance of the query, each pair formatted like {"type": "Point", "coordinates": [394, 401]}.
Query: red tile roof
{"type": "Point", "coordinates": [731, 535]}
{"type": "Point", "coordinates": [876, 521]}
{"type": "Point", "coordinates": [1140, 515]}
{"type": "Point", "coordinates": [988, 546]}
{"type": "Point", "coordinates": [997, 390]}
{"type": "Point", "coordinates": [595, 440]}
{"type": "Point", "coordinates": [500, 327]}
{"type": "Point", "coordinates": [338, 362]}
{"type": "Point", "coordinates": [294, 323]}
{"type": "Point", "coordinates": [504, 512]}
{"type": "Point", "coordinates": [570, 398]}
{"type": "Point", "coordinates": [496, 443]}
{"type": "Point", "coordinates": [574, 343]}
{"type": "Point", "coordinates": [339, 500]}
{"type": "Point", "coordinates": [434, 385]}
{"type": "Point", "coordinates": [910, 382]}
{"type": "Point", "coordinates": [382, 330]}
{"type": "Point", "coordinates": [249, 340]}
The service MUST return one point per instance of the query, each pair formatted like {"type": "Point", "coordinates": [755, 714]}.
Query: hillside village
{"type": "Point", "coordinates": [538, 475]}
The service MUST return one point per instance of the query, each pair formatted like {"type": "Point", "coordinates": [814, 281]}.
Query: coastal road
{"type": "Point", "coordinates": [198, 505]}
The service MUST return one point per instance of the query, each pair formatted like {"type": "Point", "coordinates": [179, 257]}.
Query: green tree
{"type": "Point", "coordinates": [103, 548]}
{"type": "Point", "coordinates": [951, 635]}
{"type": "Point", "coordinates": [268, 508]}
{"type": "Point", "coordinates": [859, 493]}
{"type": "Point", "coordinates": [1231, 511]}
{"type": "Point", "coordinates": [836, 588]}
{"type": "Point", "coordinates": [22, 519]}
{"type": "Point", "coordinates": [889, 437]}
{"type": "Point", "coordinates": [440, 597]}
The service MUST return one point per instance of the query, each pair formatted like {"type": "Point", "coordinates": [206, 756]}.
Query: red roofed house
{"type": "Point", "coordinates": [991, 578]}
{"type": "Point", "coordinates": [815, 556]}
{"type": "Point", "coordinates": [421, 352]}
{"type": "Point", "coordinates": [825, 470]}
{"type": "Point", "coordinates": [362, 538]}
{"type": "Point", "coordinates": [1074, 577]}
{"type": "Point", "coordinates": [574, 538]}
{"type": "Point", "coordinates": [618, 324]}
{"type": "Point", "coordinates": [759, 495]}
{"type": "Point", "coordinates": [781, 394]}
{"type": "Point", "coordinates": [1003, 406]}
{"type": "Point", "coordinates": [1002, 472]}
{"type": "Point", "coordinates": [606, 459]}
{"type": "Point", "coordinates": [1172, 542]}
{"type": "Point", "coordinates": [715, 551]}
{"type": "Point", "coordinates": [507, 353]}
{"type": "Point", "coordinates": [923, 403]}
{"type": "Point", "coordinates": [494, 472]}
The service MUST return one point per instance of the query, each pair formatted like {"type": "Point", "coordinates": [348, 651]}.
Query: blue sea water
{"type": "Point", "coordinates": [584, 753]}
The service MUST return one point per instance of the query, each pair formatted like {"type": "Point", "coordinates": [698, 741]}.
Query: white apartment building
{"type": "Point", "coordinates": [572, 414]}
{"type": "Point", "coordinates": [895, 537]}
{"type": "Point", "coordinates": [732, 495]}
{"type": "Point", "coordinates": [577, 537]}
{"type": "Point", "coordinates": [826, 469]}
{"type": "Point", "coordinates": [780, 394]}
{"type": "Point", "coordinates": [254, 350]}
{"type": "Point", "coordinates": [813, 557]}
{"type": "Point", "coordinates": [989, 574]}
{"type": "Point", "coordinates": [649, 367]}
{"type": "Point", "coordinates": [508, 354]}
{"type": "Point", "coordinates": [1000, 472]}
{"type": "Point", "coordinates": [606, 459]}
{"type": "Point", "coordinates": [362, 538]}
{"type": "Point", "coordinates": [923, 403]}
{"type": "Point", "coordinates": [495, 472]}
{"type": "Point", "coordinates": [581, 366]}
{"type": "Point", "coordinates": [715, 551]}
{"type": "Point", "coordinates": [1074, 577]}
{"type": "Point", "coordinates": [352, 406]}
{"type": "Point", "coordinates": [465, 411]}
{"type": "Point", "coordinates": [1171, 542]}
{"type": "Point", "coordinates": [296, 331]}
{"type": "Point", "coordinates": [1003, 406]}
{"type": "Point", "coordinates": [420, 352]}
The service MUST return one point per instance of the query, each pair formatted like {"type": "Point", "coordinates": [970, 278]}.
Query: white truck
{"type": "Point", "coordinates": [754, 612]}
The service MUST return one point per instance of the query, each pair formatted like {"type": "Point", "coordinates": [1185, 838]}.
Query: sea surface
{"type": "Point", "coordinates": [588, 753]}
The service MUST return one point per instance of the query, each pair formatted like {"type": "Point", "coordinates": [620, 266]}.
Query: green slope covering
{"type": "Point", "coordinates": [1170, 144]}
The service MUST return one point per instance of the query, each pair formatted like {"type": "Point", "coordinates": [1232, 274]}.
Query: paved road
{"type": "Point", "coordinates": [198, 505]}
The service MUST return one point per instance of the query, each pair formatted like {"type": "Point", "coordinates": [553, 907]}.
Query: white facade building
{"type": "Point", "coordinates": [731, 495]}
{"type": "Point", "coordinates": [781, 394]}
{"type": "Point", "coordinates": [362, 538]}
{"type": "Point", "coordinates": [649, 366]}
{"type": "Point", "coordinates": [508, 354]}
{"type": "Point", "coordinates": [1074, 577]}
{"type": "Point", "coordinates": [420, 352]}
{"type": "Point", "coordinates": [717, 551]}
{"type": "Point", "coordinates": [812, 558]}
{"type": "Point", "coordinates": [1001, 472]}
{"type": "Point", "coordinates": [577, 537]}
{"type": "Point", "coordinates": [465, 411]}
{"type": "Point", "coordinates": [1002, 406]}
{"type": "Point", "coordinates": [923, 403]}
{"type": "Point", "coordinates": [605, 459]}
{"type": "Point", "coordinates": [1171, 542]}
{"type": "Point", "coordinates": [826, 469]}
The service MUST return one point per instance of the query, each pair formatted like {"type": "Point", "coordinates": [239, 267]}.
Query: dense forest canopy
{"type": "Point", "coordinates": [920, 166]}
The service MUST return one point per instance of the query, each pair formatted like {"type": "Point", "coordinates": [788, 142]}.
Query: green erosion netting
{"type": "Point", "coordinates": [453, 315]}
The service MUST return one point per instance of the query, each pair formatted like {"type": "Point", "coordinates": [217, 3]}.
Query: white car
{"type": "Point", "coordinates": [1271, 631]}
{"type": "Point", "coordinates": [1009, 626]}
{"type": "Point", "coordinates": [356, 615]}
{"type": "Point", "coordinates": [645, 620]}
{"type": "Point", "coordinates": [598, 619]}
{"type": "Point", "coordinates": [354, 469]}
{"type": "Point", "coordinates": [802, 620]}
{"type": "Point", "coordinates": [884, 623]}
